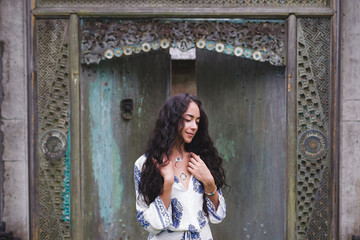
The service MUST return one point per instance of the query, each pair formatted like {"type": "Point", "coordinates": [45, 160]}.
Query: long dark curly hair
{"type": "Point", "coordinates": [164, 137]}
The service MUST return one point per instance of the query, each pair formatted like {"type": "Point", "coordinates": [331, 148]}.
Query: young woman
{"type": "Point", "coordinates": [178, 179]}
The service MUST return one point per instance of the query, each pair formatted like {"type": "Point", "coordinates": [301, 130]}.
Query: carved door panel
{"type": "Point", "coordinates": [120, 100]}
{"type": "Point", "coordinates": [245, 103]}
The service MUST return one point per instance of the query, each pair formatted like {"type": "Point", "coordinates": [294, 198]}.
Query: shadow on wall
{"type": "Point", "coordinates": [4, 235]}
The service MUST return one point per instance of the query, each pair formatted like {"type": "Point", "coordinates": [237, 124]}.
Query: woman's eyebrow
{"type": "Point", "coordinates": [191, 115]}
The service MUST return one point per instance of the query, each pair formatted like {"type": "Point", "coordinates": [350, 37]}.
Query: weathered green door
{"type": "Point", "coordinates": [112, 139]}
{"type": "Point", "coordinates": [245, 103]}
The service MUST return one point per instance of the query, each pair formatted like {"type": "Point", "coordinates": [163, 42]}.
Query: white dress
{"type": "Point", "coordinates": [184, 219]}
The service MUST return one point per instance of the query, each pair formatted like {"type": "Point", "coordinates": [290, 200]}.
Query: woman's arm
{"type": "Point", "coordinates": [212, 194]}
{"type": "Point", "coordinates": [198, 168]}
{"type": "Point", "coordinates": [167, 172]}
{"type": "Point", "coordinates": [156, 216]}
{"type": "Point", "coordinates": [216, 215]}
{"type": "Point", "coordinates": [215, 202]}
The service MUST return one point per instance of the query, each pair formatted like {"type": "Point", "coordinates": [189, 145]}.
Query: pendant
{"type": "Point", "coordinates": [183, 176]}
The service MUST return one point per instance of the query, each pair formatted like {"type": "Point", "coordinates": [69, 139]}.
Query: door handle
{"type": "Point", "coordinates": [126, 107]}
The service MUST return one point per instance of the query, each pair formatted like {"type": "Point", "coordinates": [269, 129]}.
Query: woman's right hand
{"type": "Point", "coordinates": [166, 171]}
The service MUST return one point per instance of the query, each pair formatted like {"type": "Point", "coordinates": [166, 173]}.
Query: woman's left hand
{"type": "Point", "coordinates": [198, 168]}
{"type": "Point", "coordinates": [201, 172]}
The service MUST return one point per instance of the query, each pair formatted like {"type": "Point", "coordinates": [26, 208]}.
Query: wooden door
{"type": "Point", "coordinates": [111, 143]}
{"type": "Point", "coordinates": [245, 103]}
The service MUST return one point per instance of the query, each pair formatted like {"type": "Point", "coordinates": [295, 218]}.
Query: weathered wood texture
{"type": "Point", "coordinates": [245, 102]}
{"type": "Point", "coordinates": [183, 12]}
{"type": "Point", "coordinates": [76, 222]}
{"type": "Point", "coordinates": [334, 224]}
{"type": "Point", "coordinates": [183, 3]}
{"type": "Point", "coordinates": [111, 144]}
{"type": "Point", "coordinates": [291, 121]}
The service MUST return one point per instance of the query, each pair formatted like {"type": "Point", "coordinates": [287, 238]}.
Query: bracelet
{"type": "Point", "coordinates": [212, 193]}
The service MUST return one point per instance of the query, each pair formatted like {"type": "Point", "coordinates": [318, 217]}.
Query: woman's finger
{"type": "Point", "coordinates": [156, 162]}
{"type": "Point", "coordinates": [193, 155]}
{"type": "Point", "coordinates": [196, 157]}
{"type": "Point", "coordinates": [192, 160]}
{"type": "Point", "coordinates": [191, 165]}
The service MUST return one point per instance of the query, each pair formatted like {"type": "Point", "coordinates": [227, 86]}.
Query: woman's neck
{"type": "Point", "coordinates": [178, 150]}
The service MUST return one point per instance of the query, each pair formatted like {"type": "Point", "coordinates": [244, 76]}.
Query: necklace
{"type": "Point", "coordinates": [183, 176]}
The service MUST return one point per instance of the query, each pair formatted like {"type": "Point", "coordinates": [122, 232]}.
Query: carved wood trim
{"type": "Point", "coordinates": [254, 39]}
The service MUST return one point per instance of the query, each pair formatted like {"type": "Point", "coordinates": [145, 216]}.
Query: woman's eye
{"type": "Point", "coordinates": [188, 120]}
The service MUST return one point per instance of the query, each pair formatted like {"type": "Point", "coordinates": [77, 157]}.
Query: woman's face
{"type": "Point", "coordinates": [191, 122]}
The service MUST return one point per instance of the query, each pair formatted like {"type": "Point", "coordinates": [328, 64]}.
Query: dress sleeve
{"type": "Point", "coordinates": [216, 216]}
{"type": "Point", "coordinates": [154, 217]}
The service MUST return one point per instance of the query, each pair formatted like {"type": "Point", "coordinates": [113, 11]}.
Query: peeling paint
{"type": "Point", "coordinates": [226, 148]}
{"type": "Point", "coordinates": [106, 160]}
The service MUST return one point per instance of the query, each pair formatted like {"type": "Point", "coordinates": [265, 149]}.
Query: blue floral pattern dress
{"type": "Point", "coordinates": [184, 219]}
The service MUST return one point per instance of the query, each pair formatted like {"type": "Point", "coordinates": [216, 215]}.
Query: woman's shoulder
{"type": "Point", "coordinates": [140, 161]}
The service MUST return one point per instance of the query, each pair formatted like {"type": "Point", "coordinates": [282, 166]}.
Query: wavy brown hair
{"type": "Point", "coordinates": [163, 139]}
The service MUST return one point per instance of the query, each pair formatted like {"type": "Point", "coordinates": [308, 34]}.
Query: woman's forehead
{"type": "Point", "coordinates": [192, 110]}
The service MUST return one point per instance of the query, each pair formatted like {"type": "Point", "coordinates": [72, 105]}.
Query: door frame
{"type": "Point", "coordinates": [291, 14]}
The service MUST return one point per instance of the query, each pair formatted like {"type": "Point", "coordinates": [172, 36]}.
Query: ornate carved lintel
{"type": "Point", "coordinates": [257, 40]}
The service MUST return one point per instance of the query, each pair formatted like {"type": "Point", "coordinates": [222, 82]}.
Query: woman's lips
{"type": "Point", "coordinates": [191, 134]}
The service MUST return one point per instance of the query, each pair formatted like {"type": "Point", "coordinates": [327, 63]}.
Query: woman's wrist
{"type": "Point", "coordinates": [210, 187]}
{"type": "Point", "coordinates": [210, 184]}
{"type": "Point", "coordinates": [211, 192]}
{"type": "Point", "coordinates": [168, 183]}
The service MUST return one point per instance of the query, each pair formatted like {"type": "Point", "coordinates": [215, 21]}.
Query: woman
{"type": "Point", "coordinates": [178, 179]}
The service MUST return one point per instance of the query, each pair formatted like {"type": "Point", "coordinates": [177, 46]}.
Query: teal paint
{"type": "Point", "coordinates": [225, 148]}
{"type": "Point", "coordinates": [140, 102]}
{"type": "Point", "coordinates": [66, 215]}
{"type": "Point", "coordinates": [105, 154]}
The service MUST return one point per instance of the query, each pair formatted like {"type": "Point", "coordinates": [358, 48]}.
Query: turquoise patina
{"type": "Point", "coordinates": [105, 154]}
{"type": "Point", "coordinates": [66, 216]}
{"type": "Point", "coordinates": [225, 147]}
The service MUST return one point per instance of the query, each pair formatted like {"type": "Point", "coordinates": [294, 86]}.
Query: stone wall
{"type": "Point", "coordinates": [14, 209]}
{"type": "Point", "coordinates": [350, 120]}
{"type": "Point", "coordinates": [14, 157]}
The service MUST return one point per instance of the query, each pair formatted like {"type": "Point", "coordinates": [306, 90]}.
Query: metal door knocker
{"type": "Point", "coordinates": [126, 107]}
